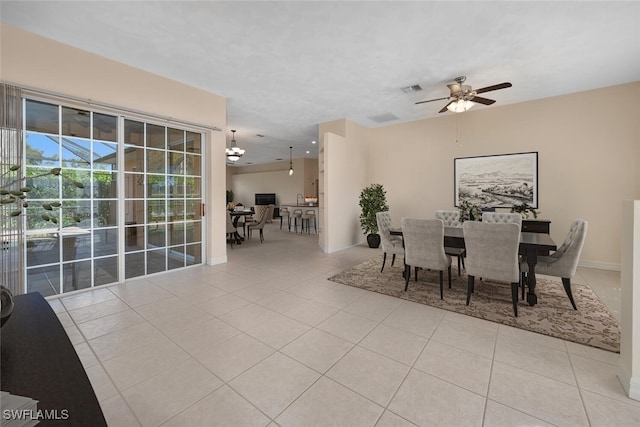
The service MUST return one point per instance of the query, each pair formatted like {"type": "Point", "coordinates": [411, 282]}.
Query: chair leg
{"type": "Point", "coordinates": [393, 259]}
{"type": "Point", "coordinates": [407, 274]}
{"type": "Point", "coordinates": [523, 278]}
{"type": "Point", "coordinates": [441, 284]}
{"type": "Point", "coordinates": [384, 259]}
{"type": "Point", "coordinates": [514, 297]}
{"type": "Point", "coordinates": [469, 288]}
{"type": "Point", "coordinates": [261, 236]}
{"type": "Point", "coordinates": [567, 288]}
{"type": "Point", "coordinates": [449, 271]}
{"type": "Point", "coordinates": [416, 272]}
{"type": "Point", "coordinates": [458, 266]}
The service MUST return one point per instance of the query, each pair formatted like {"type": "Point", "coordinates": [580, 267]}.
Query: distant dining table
{"type": "Point", "coordinates": [236, 215]}
{"type": "Point", "coordinates": [531, 244]}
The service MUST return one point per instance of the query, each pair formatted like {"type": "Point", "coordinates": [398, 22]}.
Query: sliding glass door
{"type": "Point", "coordinates": [111, 198]}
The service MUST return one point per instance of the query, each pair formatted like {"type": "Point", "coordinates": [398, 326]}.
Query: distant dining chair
{"type": "Point", "coordinates": [452, 219]}
{"type": "Point", "coordinates": [231, 230]}
{"type": "Point", "coordinates": [390, 244]}
{"type": "Point", "coordinates": [424, 248]}
{"type": "Point", "coordinates": [492, 253]}
{"type": "Point", "coordinates": [260, 225]}
{"type": "Point", "coordinates": [496, 217]}
{"type": "Point", "coordinates": [284, 213]}
{"type": "Point", "coordinates": [563, 262]}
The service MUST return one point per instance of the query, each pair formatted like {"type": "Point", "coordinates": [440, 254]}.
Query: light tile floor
{"type": "Point", "coordinates": [265, 339]}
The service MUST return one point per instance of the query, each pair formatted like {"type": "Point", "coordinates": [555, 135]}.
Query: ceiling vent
{"type": "Point", "coordinates": [412, 89]}
{"type": "Point", "coordinates": [385, 117]}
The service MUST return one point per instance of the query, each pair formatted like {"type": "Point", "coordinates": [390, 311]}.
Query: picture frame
{"type": "Point", "coordinates": [497, 181]}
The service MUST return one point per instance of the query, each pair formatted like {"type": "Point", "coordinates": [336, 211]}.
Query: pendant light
{"type": "Point", "coordinates": [290, 161]}
{"type": "Point", "coordinates": [234, 153]}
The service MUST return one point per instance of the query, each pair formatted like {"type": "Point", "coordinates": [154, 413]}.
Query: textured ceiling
{"type": "Point", "coordinates": [285, 67]}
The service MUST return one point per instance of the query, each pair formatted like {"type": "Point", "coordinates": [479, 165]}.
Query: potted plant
{"type": "Point", "coordinates": [524, 210]}
{"type": "Point", "coordinates": [373, 199]}
{"type": "Point", "coordinates": [230, 199]}
{"type": "Point", "coordinates": [469, 211]}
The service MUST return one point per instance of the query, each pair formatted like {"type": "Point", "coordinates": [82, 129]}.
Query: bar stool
{"type": "Point", "coordinates": [297, 214]}
{"type": "Point", "coordinates": [309, 215]}
{"type": "Point", "coordinates": [284, 212]}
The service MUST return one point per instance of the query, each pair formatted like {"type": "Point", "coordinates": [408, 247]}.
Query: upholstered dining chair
{"type": "Point", "coordinates": [424, 248]}
{"type": "Point", "coordinates": [452, 219]}
{"type": "Point", "coordinates": [231, 230]}
{"type": "Point", "coordinates": [564, 261]}
{"type": "Point", "coordinates": [390, 244]}
{"type": "Point", "coordinates": [498, 217]}
{"type": "Point", "coordinates": [260, 225]}
{"type": "Point", "coordinates": [492, 253]}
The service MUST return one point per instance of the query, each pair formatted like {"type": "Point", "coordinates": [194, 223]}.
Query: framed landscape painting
{"type": "Point", "coordinates": [498, 181]}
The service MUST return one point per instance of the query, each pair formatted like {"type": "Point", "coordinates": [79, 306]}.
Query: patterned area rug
{"type": "Point", "coordinates": [591, 324]}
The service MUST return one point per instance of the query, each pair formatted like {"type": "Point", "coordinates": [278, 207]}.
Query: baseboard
{"type": "Point", "coordinates": [331, 250]}
{"type": "Point", "coordinates": [600, 265]}
{"type": "Point", "coordinates": [631, 385]}
{"type": "Point", "coordinates": [217, 260]}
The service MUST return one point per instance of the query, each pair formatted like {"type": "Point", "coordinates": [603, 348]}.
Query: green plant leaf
{"type": "Point", "coordinates": [16, 213]}
{"type": "Point", "coordinates": [25, 189]}
{"type": "Point", "coordinates": [55, 171]}
{"type": "Point", "coordinates": [15, 168]}
{"type": "Point", "coordinates": [78, 184]}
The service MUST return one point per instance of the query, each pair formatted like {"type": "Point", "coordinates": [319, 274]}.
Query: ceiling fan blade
{"type": "Point", "coordinates": [445, 107]}
{"type": "Point", "coordinates": [430, 100]}
{"type": "Point", "coordinates": [494, 87]}
{"type": "Point", "coordinates": [481, 100]}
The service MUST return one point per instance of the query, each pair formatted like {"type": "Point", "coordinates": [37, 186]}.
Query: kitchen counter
{"type": "Point", "coordinates": [300, 205]}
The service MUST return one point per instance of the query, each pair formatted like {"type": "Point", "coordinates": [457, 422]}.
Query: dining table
{"type": "Point", "coordinates": [235, 216]}
{"type": "Point", "coordinates": [531, 245]}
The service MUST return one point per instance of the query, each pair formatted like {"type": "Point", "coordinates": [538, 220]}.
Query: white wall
{"type": "Point", "coordinates": [286, 187]}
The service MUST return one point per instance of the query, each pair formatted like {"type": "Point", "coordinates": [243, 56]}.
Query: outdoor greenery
{"type": "Point", "coordinates": [18, 195]}
{"type": "Point", "coordinates": [373, 199]}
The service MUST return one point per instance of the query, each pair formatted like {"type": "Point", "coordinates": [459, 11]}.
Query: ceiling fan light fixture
{"type": "Point", "coordinates": [234, 152]}
{"type": "Point", "coordinates": [460, 106]}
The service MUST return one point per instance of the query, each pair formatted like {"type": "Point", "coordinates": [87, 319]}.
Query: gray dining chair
{"type": "Point", "coordinates": [499, 217]}
{"type": "Point", "coordinates": [260, 225]}
{"type": "Point", "coordinates": [492, 253]}
{"type": "Point", "coordinates": [424, 248]}
{"type": "Point", "coordinates": [390, 244]}
{"type": "Point", "coordinates": [231, 230]}
{"type": "Point", "coordinates": [295, 216]}
{"type": "Point", "coordinates": [564, 261]}
{"type": "Point", "coordinates": [452, 219]}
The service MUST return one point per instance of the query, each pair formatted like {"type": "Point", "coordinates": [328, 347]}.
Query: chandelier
{"type": "Point", "coordinates": [234, 152]}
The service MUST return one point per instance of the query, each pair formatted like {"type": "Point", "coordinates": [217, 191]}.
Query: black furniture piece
{"type": "Point", "coordinates": [39, 362]}
{"type": "Point", "coordinates": [536, 226]}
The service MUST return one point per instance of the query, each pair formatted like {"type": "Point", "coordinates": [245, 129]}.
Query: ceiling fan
{"type": "Point", "coordinates": [463, 97]}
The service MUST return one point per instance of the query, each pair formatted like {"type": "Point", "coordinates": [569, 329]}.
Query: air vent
{"type": "Point", "coordinates": [259, 135]}
{"type": "Point", "coordinates": [385, 117]}
{"type": "Point", "coordinates": [412, 89]}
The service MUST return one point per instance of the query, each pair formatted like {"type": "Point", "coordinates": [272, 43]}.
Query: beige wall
{"type": "Point", "coordinates": [589, 152]}
{"type": "Point", "coordinates": [32, 61]}
{"type": "Point", "coordinates": [245, 181]}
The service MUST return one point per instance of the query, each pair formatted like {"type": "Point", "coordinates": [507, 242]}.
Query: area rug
{"type": "Point", "coordinates": [591, 324]}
